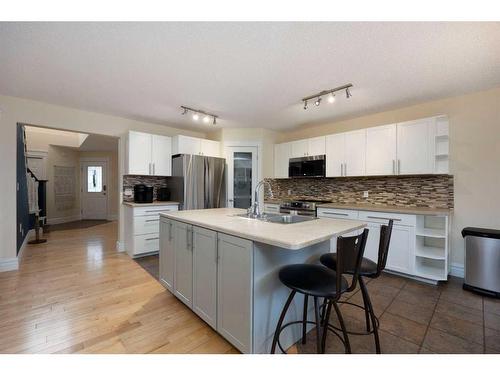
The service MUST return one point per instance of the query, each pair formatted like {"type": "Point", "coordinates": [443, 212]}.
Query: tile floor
{"type": "Point", "coordinates": [414, 318]}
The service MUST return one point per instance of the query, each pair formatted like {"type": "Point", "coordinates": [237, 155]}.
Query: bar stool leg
{"type": "Point", "coordinates": [304, 319]}
{"type": "Point", "coordinates": [347, 344]}
{"type": "Point", "coordinates": [325, 326]}
{"type": "Point", "coordinates": [318, 325]}
{"type": "Point", "coordinates": [366, 297]}
{"type": "Point", "coordinates": [367, 309]}
{"type": "Point", "coordinates": [280, 321]}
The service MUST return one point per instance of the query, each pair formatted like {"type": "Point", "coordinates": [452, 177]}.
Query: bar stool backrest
{"type": "Point", "coordinates": [350, 251]}
{"type": "Point", "coordinates": [383, 247]}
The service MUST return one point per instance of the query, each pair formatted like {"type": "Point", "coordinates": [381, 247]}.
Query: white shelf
{"type": "Point", "coordinates": [429, 232]}
{"type": "Point", "coordinates": [430, 252]}
{"type": "Point", "coordinates": [430, 272]}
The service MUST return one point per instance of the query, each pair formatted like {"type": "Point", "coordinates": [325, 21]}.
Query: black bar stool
{"type": "Point", "coordinates": [368, 269]}
{"type": "Point", "coordinates": [321, 282]}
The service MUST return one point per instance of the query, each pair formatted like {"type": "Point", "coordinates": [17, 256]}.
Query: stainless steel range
{"type": "Point", "coordinates": [301, 207]}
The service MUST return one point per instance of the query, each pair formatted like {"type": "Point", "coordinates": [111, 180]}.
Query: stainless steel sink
{"type": "Point", "coordinates": [279, 218]}
{"type": "Point", "coordinates": [289, 219]}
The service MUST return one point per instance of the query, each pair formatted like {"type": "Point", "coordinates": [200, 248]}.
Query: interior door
{"type": "Point", "coordinates": [415, 153]}
{"type": "Point", "coordinates": [335, 150]}
{"type": "Point", "coordinates": [94, 200]}
{"type": "Point", "coordinates": [381, 150]}
{"type": "Point", "coordinates": [242, 176]}
{"type": "Point", "coordinates": [355, 153]}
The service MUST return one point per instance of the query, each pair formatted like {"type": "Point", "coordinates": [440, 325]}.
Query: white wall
{"type": "Point", "coordinates": [474, 154]}
{"type": "Point", "coordinates": [16, 110]}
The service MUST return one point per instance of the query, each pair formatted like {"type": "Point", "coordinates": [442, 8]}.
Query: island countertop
{"type": "Point", "coordinates": [289, 236]}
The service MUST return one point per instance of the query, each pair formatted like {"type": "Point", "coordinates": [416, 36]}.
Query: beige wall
{"type": "Point", "coordinates": [267, 137]}
{"type": "Point", "coordinates": [474, 153]}
{"type": "Point", "coordinates": [17, 110]}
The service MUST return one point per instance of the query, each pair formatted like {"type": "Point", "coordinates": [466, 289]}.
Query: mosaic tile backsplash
{"type": "Point", "coordinates": [130, 180]}
{"type": "Point", "coordinates": [433, 191]}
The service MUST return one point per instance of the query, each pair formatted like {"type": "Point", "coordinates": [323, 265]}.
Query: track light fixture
{"type": "Point", "coordinates": [330, 93]}
{"type": "Point", "coordinates": [198, 112]}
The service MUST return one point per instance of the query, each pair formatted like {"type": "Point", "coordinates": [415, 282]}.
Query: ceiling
{"type": "Point", "coordinates": [250, 74]}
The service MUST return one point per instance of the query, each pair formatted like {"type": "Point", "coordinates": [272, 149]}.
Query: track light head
{"type": "Point", "coordinates": [184, 110]}
{"type": "Point", "coordinates": [305, 104]}
{"type": "Point", "coordinates": [215, 120]}
{"type": "Point", "coordinates": [331, 98]}
{"type": "Point", "coordinates": [206, 119]}
{"type": "Point", "coordinates": [196, 116]}
{"type": "Point", "coordinates": [317, 102]}
{"type": "Point", "coordinates": [347, 93]}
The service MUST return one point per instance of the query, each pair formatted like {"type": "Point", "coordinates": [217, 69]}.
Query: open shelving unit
{"type": "Point", "coordinates": [442, 144]}
{"type": "Point", "coordinates": [431, 247]}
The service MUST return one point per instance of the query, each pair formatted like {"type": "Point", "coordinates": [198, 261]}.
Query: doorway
{"type": "Point", "coordinates": [94, 195]}
{"type": "Point", "coordinates": [242, 175]}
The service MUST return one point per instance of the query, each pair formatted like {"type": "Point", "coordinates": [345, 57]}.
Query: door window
{"type": "Point", "coordinates": [94, 179]}
{"type": "Point", "coordinates": [242, 188]}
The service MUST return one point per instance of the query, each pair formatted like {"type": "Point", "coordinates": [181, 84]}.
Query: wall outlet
{"type": "Point", "coordinates": [365, 194]}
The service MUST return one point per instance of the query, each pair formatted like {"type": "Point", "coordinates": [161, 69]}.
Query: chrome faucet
{"type": "Point", "coordinates": [255, 211]}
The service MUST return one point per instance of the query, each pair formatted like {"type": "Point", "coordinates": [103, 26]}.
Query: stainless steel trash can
{"type": "Point", "coordinates": [482, 260]}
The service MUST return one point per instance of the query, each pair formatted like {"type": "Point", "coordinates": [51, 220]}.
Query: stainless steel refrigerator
{"type": "Point", "coordinates": [198, 181]}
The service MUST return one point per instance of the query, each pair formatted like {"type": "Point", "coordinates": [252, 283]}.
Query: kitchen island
{"type": "Point", "coordinates": [225, 268]}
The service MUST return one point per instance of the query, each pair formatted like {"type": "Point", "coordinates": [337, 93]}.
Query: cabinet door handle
{"type": "Point", "coordinates": [170, 231]}
{"type": "Point", "coordinates": [335, 213]}
{"type": "Point", "coordinates": [163, 210]}
{"type": "Point", "coordinates": [341, 169]}
{"type": "Point", "coordinates": [148, 221]}
{"type": "Point", "coordinates": [154, 168]}
{"type": "Point", "coordinates": [399, 166]}
{"type": "Point", "coordinates": [383, 218]}
{"type": "Point", "coordinates": [345, 169]}
{"type": "Point", "coordinates": [152, 239]}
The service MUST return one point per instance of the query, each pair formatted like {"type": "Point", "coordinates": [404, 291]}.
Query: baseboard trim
{"type": "Point", "coordinates": [120, 247]}
{"type": "Point", "coordinates": [9, 264]}
{"type": "Point", "coordinates": [62, 220]}
{"type": "Point", "coordinates": [112, 217]}
{"type": "Point", "coordinates": [457, 270]}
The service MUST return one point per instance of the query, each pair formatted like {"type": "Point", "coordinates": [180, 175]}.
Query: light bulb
{"type": "Point", "coordinates": [331, 98]}
{"type": "Point", "coordinates": [317, 102]}
{"type": "Point", "coordinates": [196, 117]}
{"type": "Point", "coordinates": [206, 119]}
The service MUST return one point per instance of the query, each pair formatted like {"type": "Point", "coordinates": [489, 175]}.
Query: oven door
{"type": "Point", "coordinates": [310, 166]}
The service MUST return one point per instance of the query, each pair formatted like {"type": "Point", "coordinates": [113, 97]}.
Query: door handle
{"type": "Point", "coordinates": [335, 213]}
{"type": "Point", "coordinates": [393, 166]}
{"type": "Point", "coordinates": [383, 218]}
{"type": "Point", "coordinates": [345, 169]}
{"type": "Point", "coordinates": [399, 166]}
{"type": "Point", "coordinates": [154, 168]}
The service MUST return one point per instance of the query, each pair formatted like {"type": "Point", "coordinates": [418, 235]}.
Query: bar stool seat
{"type": "Point", "coordinates": [312, 279]}
{"type": "Point", "coordinates": [368, 267]}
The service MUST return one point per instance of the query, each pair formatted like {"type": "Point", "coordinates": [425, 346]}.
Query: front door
{"type": "Point", "coordinates": [242, 175]}
{"type": "Point", "coordinates": [94, 198]}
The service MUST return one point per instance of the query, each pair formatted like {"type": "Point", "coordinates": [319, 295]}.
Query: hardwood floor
{"type": "Point", "coordinates": [77, 294]}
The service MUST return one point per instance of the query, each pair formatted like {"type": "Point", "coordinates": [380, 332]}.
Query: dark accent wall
{"type": "Point", "coordinates": [23, 216]}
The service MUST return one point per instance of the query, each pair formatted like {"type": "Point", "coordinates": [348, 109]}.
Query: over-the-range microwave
{"type": "Point", "coordinates": [308, 166]}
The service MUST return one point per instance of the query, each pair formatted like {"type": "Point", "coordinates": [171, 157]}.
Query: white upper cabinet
{"type": "Point", "coordinates": [299, 148]}
{"type": "Point", "coordinates": [210, 148]}
{"type": "Point", "coordinates": [139, 153]}
{"type": "Point", "coordinates": [345, 154]}
{"type": "Point", "coordinates": [161, 159]}
{"type": "Point", "coordinates": [355, 153]}
{"type": "Point", "coordinates": [281, 159]}
{"type": "Point", "coordinates": [307, 147]}
{"type": "Point", "coordinates": [381, 150]}
{"type": "Point", "coordinates": [335, 145]}
{"type": "Point", "coordinates": [182, 144]}
{"type": "Point", "coordinates": [316, 146]}
{"type": "Point", "coordinates": [148, 154]}
{"type": "Point", "coordinates": [415, 147]}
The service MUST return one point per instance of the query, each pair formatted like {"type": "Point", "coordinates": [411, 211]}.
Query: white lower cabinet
{"type": "Point", "coordinates": [205, 275]}
{"type": "Point", "coordinates": [212, 274]}
{"type": "Point", "coordinates": [183, 272]}
{"type": "Point", "coordinates": [234, 292]}
{"type": "Point", "coordinates": [402, 257]}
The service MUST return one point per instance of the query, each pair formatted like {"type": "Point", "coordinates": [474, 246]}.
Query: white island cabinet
{"type": "Point", "coordinates": [225, 268]}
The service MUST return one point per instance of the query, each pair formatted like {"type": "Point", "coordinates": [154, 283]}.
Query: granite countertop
{"type": "Point", "coordinates": [395, 209]}
{"type": "Point", "coordinates": [289, 236]}
{"type": "Point", "coordinates": [155, 203]}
